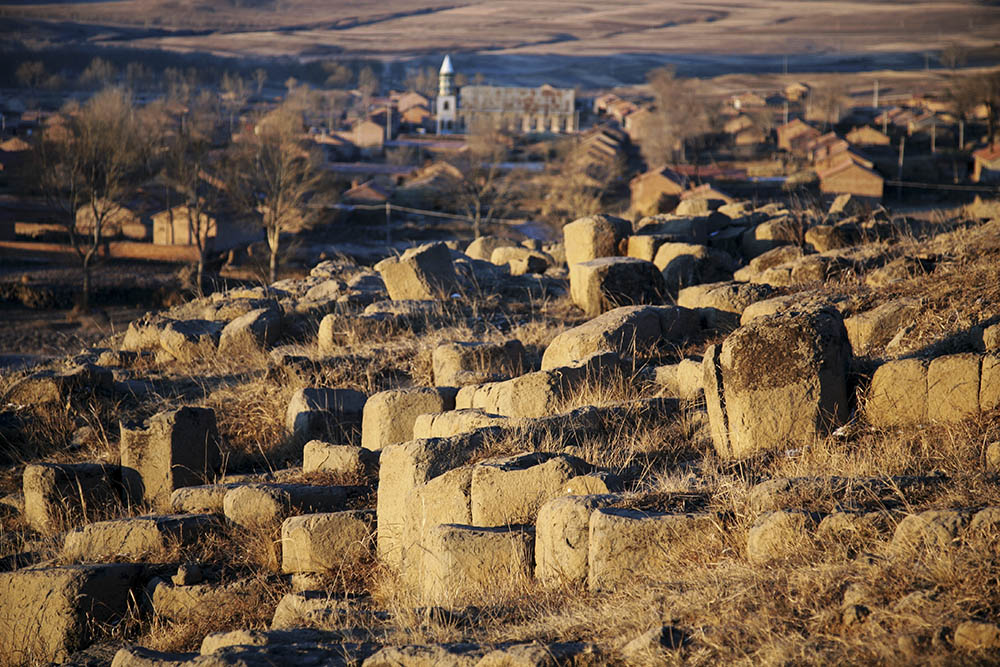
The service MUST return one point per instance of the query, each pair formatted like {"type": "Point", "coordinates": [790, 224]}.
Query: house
{"type": "Point", "coordinates": [848, 177]}
{"type": "Point", "coordinates": [418, 116]}
{"type": "Point", "coordinates": [710, 194]}
{"type": "Point", "coordinates": [13, 154]}
{"type": "Point", "coordinates": [621, 109]}
{"type": "Point", "coordinates": [795, 131]}
{"type": "Point", "coordinates": [118, 220]}
{"type": "Point", "coordinates": [603, 102]}
{"type": "Point", "coordinates": [366, 134]}
{"type": "Point", "coordinates": [657, 191]}
{"type": "Point", "coordinates": [750, 136]}
{"type": "Point", "coordinates": [797, 91]}
{"type": "Point", "coordinates": [430, 186]}
{"type": "Point", "coordinates": [737, 124]}
{"type": "Point", "coordinates": [836, 156]}
{"type": "Point", "coordinates": [412, 99]}
{"type": "Point", "coordinates": [866, 135]}
{"type": "Point", "coordinates": [825, 145]}
{"type": "Point", "coordinates": [171, 227]}
{"type": "Point", "coordinates": [986, 168]}
{"type": "Point", "coordinates": [367, 193]}
{"type": "Point", "coordinates": [747, 100]}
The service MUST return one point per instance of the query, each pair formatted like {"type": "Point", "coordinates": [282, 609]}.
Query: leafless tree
{"type": "Point", "coordinates": [970, 91]}
{"type": "Point", "coordinates": [423, 80]}
{"type": "Point", "coordinates": [260, 78]}
{"type": "Point", "coordinates": [87, 172]}
{"type": "Point", "coordinates": [273, 177]}
{"type": "Point", "coordinates": [954, 55]}
{"type": "Point", "coordinates": [367, 83]}
{"type": "Point", "coordinates": [31, 74]}
{"type": "Point", "coordinates": [188, 170]}
{"type": "Point", "coordinates": [485, 190]}
{"type": "Point", "coordinates": [235, 94]}
{"type": "Point", "coordinates": [98, 74]}
{"type": "Point", "coordinates": [680, 119]}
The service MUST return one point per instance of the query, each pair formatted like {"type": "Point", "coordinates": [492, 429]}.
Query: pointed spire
{"type": "Point", "coordinates": [446, 67]}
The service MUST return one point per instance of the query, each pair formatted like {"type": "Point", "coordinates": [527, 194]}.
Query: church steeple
{"type": "Point", "coordinates": [446, 78]}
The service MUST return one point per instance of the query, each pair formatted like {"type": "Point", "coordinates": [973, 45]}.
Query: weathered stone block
{"type": "Point", "coordinates": [483, 247]}
{"type": "Point", "coordinates": [627, 546]}
{"type": "Point", "coordinates": [453, 422]}
{"type": "Point", "coordinates": [136, 538]}
{"type": "Point", "coordinates": [255, 330]}
{"type": "Point", "coordinates": [175, 448]}
{"type": "Point", "coordinates": [58, 495]}
{"type": "Point", "coordinates": [780, 534]}
{"type": "Point", "coordinates": [48, 613]}
{"type": "Point", "coordinates": [953, 387]}
{"type": "Point", "coordinates": [265, 505]}
{"type": "Point", "coordinates": [405, 466]}
{"type": "Point", "coordinates": [510, 490]}
{"type": "Point", "coordinates": [49, 386]}
{"type": "Point", "coordinates": [520, 261]}
{"type": "Point", "coordinates": [870, 331]}
{"type": "Point", "coordinates": [346, 460]}
{"type": "Point", "coordinates": [188, 340]}
{"type": "Point", "coordinates": [898, 393]}
{"type": "Point", "coordinates": [562, 537]}
{"type": "Point", "coordinates": [444, 499]}
{"type": "Point", "coordinates": [720, 305]}
{"type": "Point", "coordinates": [593, 237]}
{"type": "Point", "coordinates": [389, 415]}
{"type": "Point", "coordinates": [202, 499]}
{"type": "Point", "coordinates": [989, 383]}
{"type": "Point", "coordinates": [610, 282]}
{"type": "Point", "coordinates": [932, 529]}
{"type": "Point", "coordinates": [328, 542]}
{"type": "Point", "coordinates": [334, 414]}
{"type": "Point", "coordinates": [467, 565]}
{"type": "Point", "coordinates": [426, 272]}
{"type": "Point", "coordinates": [629, 331]}
{"type": "Point", "coordinates": [457, 364]}
{"type": "Point", "coordinates": [685, 264]}
{"type": "Point", "coordinates": [199, 603]}
{"type": "Point", "coordinates": [784, 379]}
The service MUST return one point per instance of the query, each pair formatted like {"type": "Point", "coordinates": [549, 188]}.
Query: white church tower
{"type": "Point", "coordinates": [447, 100]}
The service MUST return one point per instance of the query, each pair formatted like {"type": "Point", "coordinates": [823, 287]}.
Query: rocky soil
{"type": "Point", "coordinates": [743, 435]}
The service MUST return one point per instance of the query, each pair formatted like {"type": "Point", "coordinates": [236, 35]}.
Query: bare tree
{"type": "Point", "coordinates": [954, 55]}
{"type": "Point", "coordinates": [368, 84]}
{"type": "Point", "coordinates": [272, 177]}
{"type": "Point", "coordinates": [485, 190]}
{"type": "Point", "coordinates": [969, 92]}
{"type": "Point", "coordinates": [31, 74]}
{"type": "Point", "coordinates": [260, 78]}
{"type": "Point", "coordinates": [235, 94]}
{"type": "Point", "coordinates": [98, 74]}
{"type": "Point", "coordinates": [187, 170]}
{"type": "Point", "coordinates": [338, 74]}
{"type": "Point", "coordinates": [423, 80]}
{"type": "Point", "coordinates": [681, 118]}
{"type": "Point", "coordinates": [87, 172]}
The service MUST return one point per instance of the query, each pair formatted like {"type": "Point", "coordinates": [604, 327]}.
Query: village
{"type": "Point", "coordinates": [403, 367]}
{"type": "Point", "coordinates": [487, 153]}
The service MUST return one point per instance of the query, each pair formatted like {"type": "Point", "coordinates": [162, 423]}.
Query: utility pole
{"type": "Point", "coordinates": [899, 175]}
{"type": "Point", "coordinates": [934, 138]}
{"type": "Point", "coordinates": [785, 64]}
{"type": "Point", "coordinates": [875, 96]}
{"type": "Point", "coordinates": [961, 134]}
{"type": "Point", "coordinates": [786, 112]}
{"type": "Point", "coordinates": [388, 223]}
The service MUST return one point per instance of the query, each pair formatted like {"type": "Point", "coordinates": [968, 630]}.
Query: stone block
{"type": "Point", "coordinates": [202, 499]}
{"type": "Point", "coordinates": [333, 414]}
{"type": "Point", "coordinates": [930, 530]}
{"type": "Point", "coordinates": [780, 534]}
{"type": "Point", "coordinates": [466, 565]}
{"type": "Point", "coordinates": [199, 603]}
{"type": "Point", "coordinates": [628, 546]}
{"type": "Point", "coordinates": [953, 387]}
{"type": "Point", "coordinates": [520, 261]}
{"type": "Point", "coordinates": [986, 337]}
{"type": "Point", "coordinates": [784, 380]}
{"type": "Point", "coordinates": [404, 466]}
{"type": "Point", "coordinates": [173, 449]}
{"type": "Point", "coordinates": [444, 499]}
{"type": "Point", "coordinates": [898, 393]}
{"type": "Point", "coordinates": [977, 636]}
{"type": "Point", "coordinates": [509, 491]}
{"type": "Point", "coordinates": [461, 363]}
{"type": "Point", "coordinates": [870, 331]}
{"type": "Point", "coordinates": [255, 330]}
{"type": "Point", "coordinates": [629, 331]}
{"type": "Point", "coordinates": [720, 305]}
{"type": "Point", "coordinates": [602, 284]}
{"type": "Point", "coordinates": [46, 614]}
{"type": "Point", "coordinates": [989, 383]}
{"type": "Point", "coordinates": [335, 542]}
{"type": "Point", "coordinates": [594, 236]}
{"type": "Point", "coordinates": [765, 236]}
{"type": "Point", "coordinates": [535, 654]}
{"type": "Point", "coordinates": [50, 386]}
{"type": "Point", "coordinates": [433, 655]}
{"type": "Point", "coordinates": [136, 538]}
{"type": "Point", "coordinates": [685, 264]}
{"type": "Point", "coordinates": [389, 415]}
{"type": "Point", "coordinates": [267, 505]}
{"type": "Point", "coordinates": [59, 495]}
{"type": "Point", "coordinates": [426, 272]}
{"type": "Point", "coordinates": [346, 460]}
{"type": "Point", "coordinates": [453, 422]}
{"type": "Point", "coordinates": [562, 537]}
{"type": "Point", "coordinates": [189, 340]}
{"type": "Point", "coordinates": [483, 247]}
{"type": "Point", "coordinates": [715, 405]}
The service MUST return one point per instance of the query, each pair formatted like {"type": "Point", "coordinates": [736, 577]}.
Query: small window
{"type": "Point", "coordinates": [445, 106]}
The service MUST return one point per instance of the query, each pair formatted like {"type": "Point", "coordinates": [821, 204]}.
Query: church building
{"type": "Point", "coordinates": [542, 109]}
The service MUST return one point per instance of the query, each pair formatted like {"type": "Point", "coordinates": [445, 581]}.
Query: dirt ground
{"type": "Point", "coordinates": [588, 43]}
